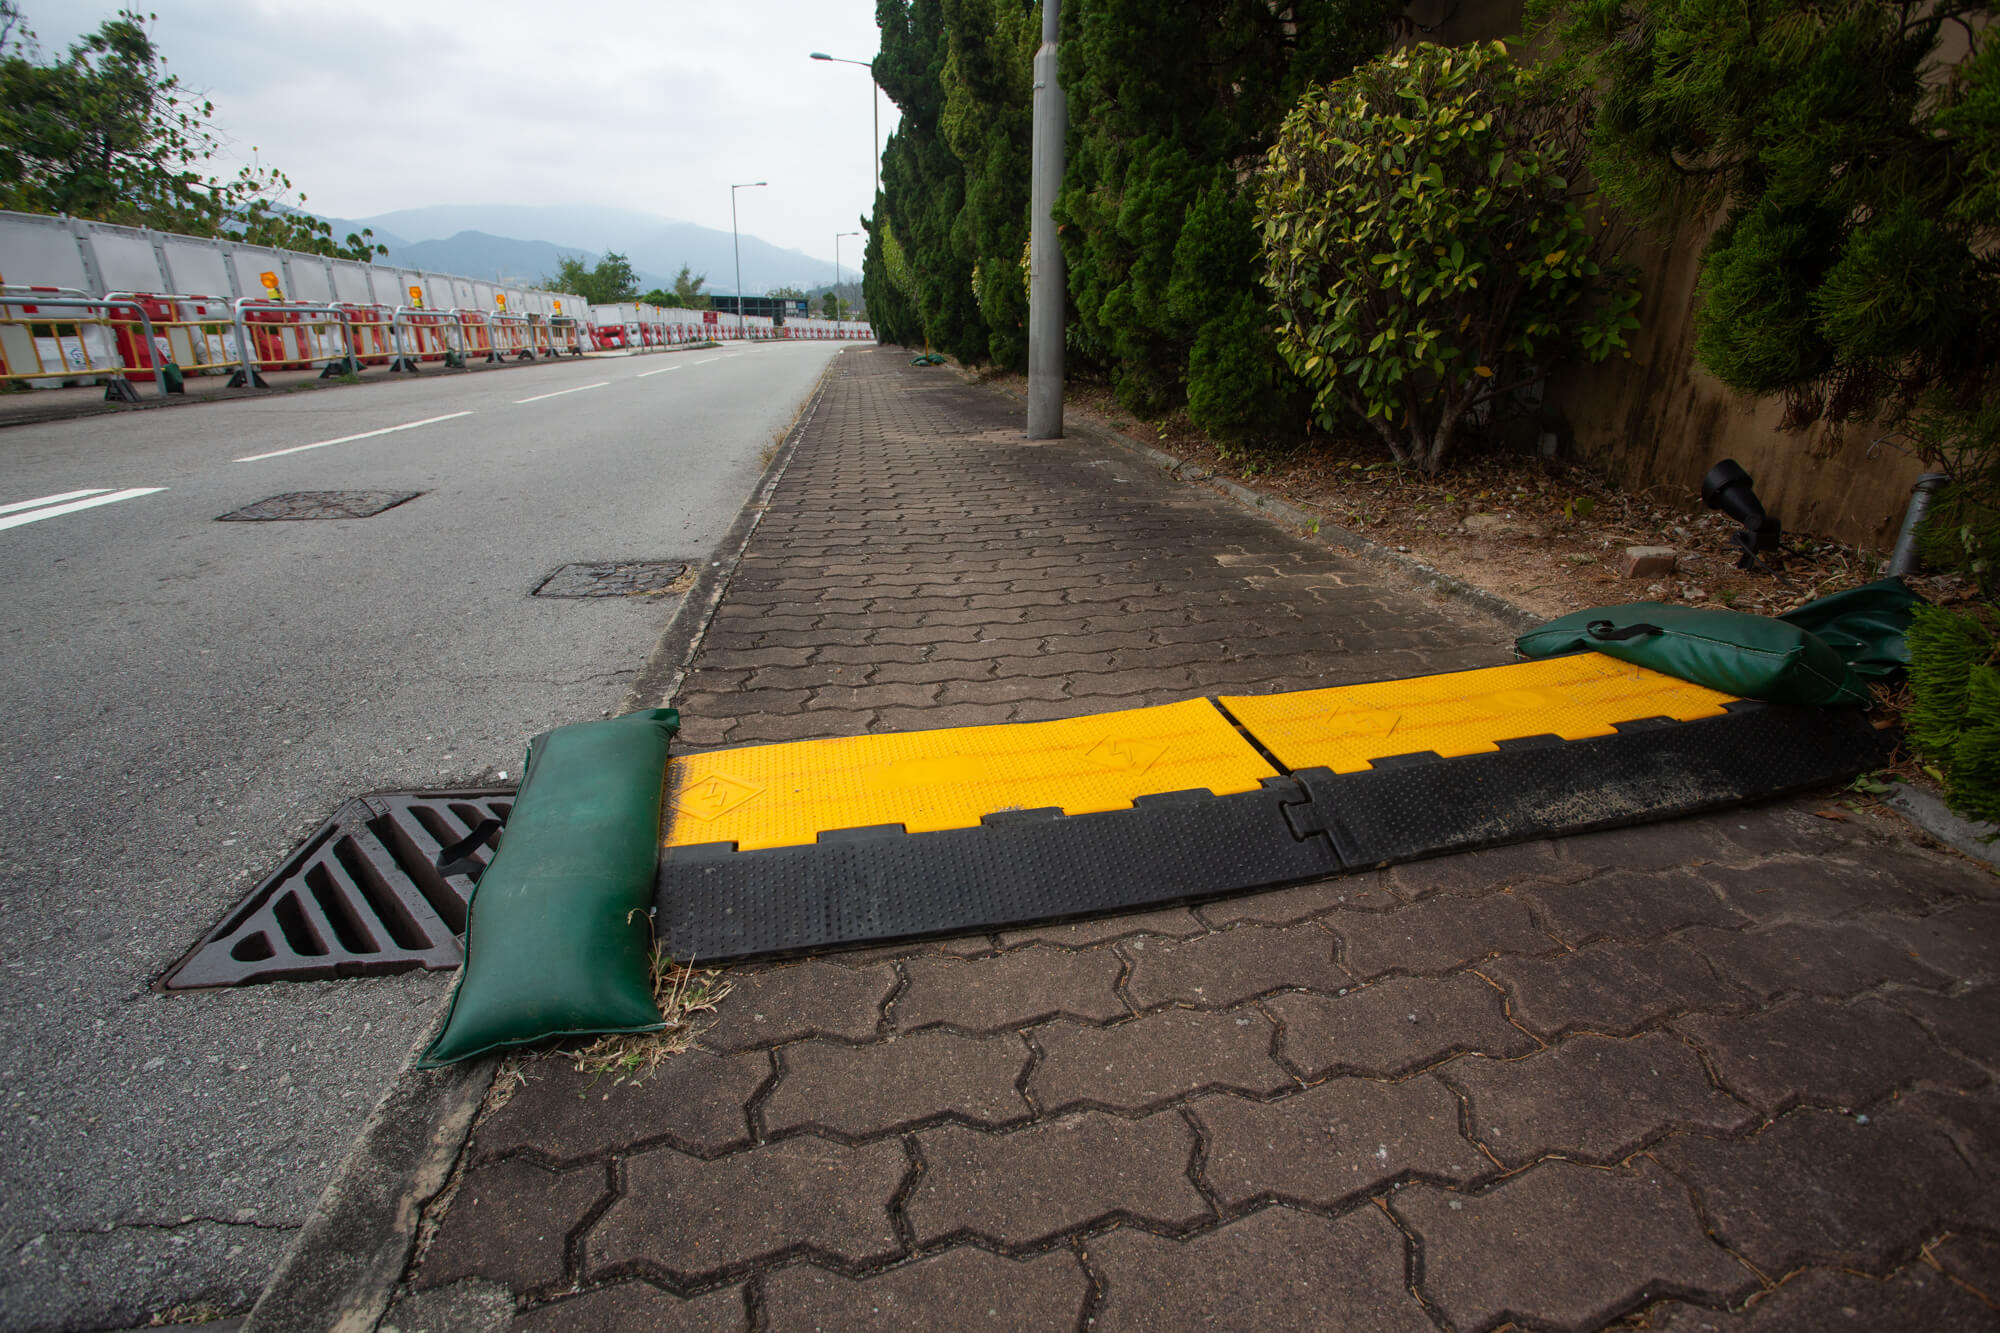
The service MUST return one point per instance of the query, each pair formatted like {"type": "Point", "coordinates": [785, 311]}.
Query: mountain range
{"type": "Point", "coordinates": [522, 242]}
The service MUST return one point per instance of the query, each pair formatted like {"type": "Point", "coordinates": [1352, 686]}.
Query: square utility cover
{"type": "Point", "coordinates": [617, 578]}
{"type": "Point", "coordinates": [319, 504]}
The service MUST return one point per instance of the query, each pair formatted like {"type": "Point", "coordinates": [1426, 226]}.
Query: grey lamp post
{"type": "Point", "coordinates": [1046, 283]}
{"type": "Point", "coordinates": [836, 261]}
{"type": "Point", "coordinates": [875, 101]}
{"type": "Point", "coordinates": [736, 244]}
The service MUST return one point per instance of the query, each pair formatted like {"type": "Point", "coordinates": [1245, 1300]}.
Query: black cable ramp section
{"type": "Point", "coordinates": [1415, 806]}
{"type": "Point", "coordinates": [857, 885]}
{"type": "Point", "coordinates": [877, 884]}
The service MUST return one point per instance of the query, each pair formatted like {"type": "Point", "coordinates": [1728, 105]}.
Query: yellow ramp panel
{"type": "Point", "coordinates": [787, 794]}
{"type": "Point", "coordinates": [1466, 712]}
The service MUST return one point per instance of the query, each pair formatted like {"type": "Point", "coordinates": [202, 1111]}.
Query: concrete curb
{"type": "Point", "coordinates": [1927, 811]}
{"type": "Point", "coordinates": [1314, 527]}
{"type": "Point", "coordinates": [341, 1270]}
{"type": "Point", "coordinates": [345, 1262]}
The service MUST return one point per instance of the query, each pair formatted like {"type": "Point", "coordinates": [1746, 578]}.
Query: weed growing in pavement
{"type": "Point", "coordinates": [682, 992]}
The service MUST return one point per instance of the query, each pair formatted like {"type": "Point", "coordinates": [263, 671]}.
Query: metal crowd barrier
{"type": "Point", "coordinates": [426, 335]}
{"type": "Point", "coordinates": [371, 332]}
{"type": "Point", "coordinates": [475, 335]}
{"type": "Point", "coordinates": [540, 340]}
{"type": "Point", "coordinates": [192, 335]}
{"type": "Point", "coordinates": [277, 335]}
{"type": "Point", "coordinates": [511, 337]}
{"type": "Point", "coordinates": [568, 333]}
{"type": "Point", "coordinates": [20, 343]}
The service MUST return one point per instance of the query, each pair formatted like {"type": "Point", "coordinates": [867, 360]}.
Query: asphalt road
{"type": "Point", "coordinates": [186, 699]}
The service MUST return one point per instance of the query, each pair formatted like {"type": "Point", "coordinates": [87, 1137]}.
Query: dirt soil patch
{"type": "Point", "coordinates": [1549, 537]}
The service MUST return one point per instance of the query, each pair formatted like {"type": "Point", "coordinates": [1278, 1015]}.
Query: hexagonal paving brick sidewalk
{"type": "Point", "coordinates": [1733, 1072]}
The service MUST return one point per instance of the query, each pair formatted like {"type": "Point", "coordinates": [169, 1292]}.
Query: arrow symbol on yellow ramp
{"type": "Point", "coordinates": [1136, 756]}
{"type": "Point", "coordinates": [713, 796]}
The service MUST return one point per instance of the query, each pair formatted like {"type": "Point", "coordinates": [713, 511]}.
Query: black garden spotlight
{"type": "Point", "coordinates": [1727, 487]}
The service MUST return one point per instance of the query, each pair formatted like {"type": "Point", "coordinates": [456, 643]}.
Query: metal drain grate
{"type": "Point", "coordinates": [617, 578]}
{"type": "Point", "coordinates": [319, 504]}
{"type": "Point", "coordinates": [361, 897]}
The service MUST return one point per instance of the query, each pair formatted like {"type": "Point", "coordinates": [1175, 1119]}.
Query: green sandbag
{"type": "Point", "coordinates": [558, 940]}
{"type": "Point", "coordinates": [1754, 657]}
{"type": "Point", "coordinates": [1865, 625]}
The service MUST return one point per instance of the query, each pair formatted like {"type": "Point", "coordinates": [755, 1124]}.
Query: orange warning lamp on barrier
{"type": "Point", "coordinates": [500, 299]}
{"type": "Point", "coordinates": [270, 281]}
{"type": "Point", "coordinates": [417, 297]}
{"type": "Point", "coordinates": [559, 307]}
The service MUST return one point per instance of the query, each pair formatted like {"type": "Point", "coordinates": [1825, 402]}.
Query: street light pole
{"type": "Point", "coordinates": [875, 104]}
{"type": "Point", "coordinates": [836, 263]}
{"type": "Point", "coordinates": [736, 244]}
{"type": "Point", "coordinates": [1046, 284]}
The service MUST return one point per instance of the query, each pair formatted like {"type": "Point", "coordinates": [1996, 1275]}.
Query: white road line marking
{"type": "Point", "coordinates": [19, 505]}
{"type": "Point", "coordinates": [55, 511]}
{"type": "Point", "coordinates": [705, 360]}
{"type": "Point", "coordinates": [560, 392]}
{"type": "Point", "coordinates": [348, 439]}
{"type": "Point", "coordinates": [661, 371]}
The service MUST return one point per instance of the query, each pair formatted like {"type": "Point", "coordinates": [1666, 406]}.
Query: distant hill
{"type": "Point", "coordinates": [477, 254]}
{"type": "Point", "coordinates": [480, 240]}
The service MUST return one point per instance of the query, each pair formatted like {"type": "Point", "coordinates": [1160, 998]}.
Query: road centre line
{"type": "Point", "coordinates": [56, 511]}
{"type": "Point", "coordinates": [560, 392]}
{"type": "Point", "coordinates": [661, 371]}
{"type": "Point", "coordinates": [705, 360]}
{"type": "Point", "coordinates": [349, 439]}
{"type": "Point", "coordinates": [19, 505]}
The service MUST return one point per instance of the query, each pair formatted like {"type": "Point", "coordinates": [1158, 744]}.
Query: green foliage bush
{"type": "Point", "coordinates": [1857, 271]}
{"type": "Point", "coordinates": [608, 282]}
{"type": "Point", "coordinates": [1424, 244]}
{"type": "Point", "coordinates": [1954, 722]}
{"type": "Point", "coordinates": [889, 287]}
{"type": "Point", "coordinates": [1171, 102]}
{"type": "Point", "coordinates": [988, 120]}
{"type": "Point", "coordinates": [1861, 182]}
{"type": "Point", "coordinates": [923, 181]}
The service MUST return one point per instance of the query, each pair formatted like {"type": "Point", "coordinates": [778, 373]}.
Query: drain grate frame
{"type": "Point", "coordinates": [618, 578]}
{"type": "Point", "coordinates": [295, 505]}
{"type": "Point", "coordinates": [360, 897]}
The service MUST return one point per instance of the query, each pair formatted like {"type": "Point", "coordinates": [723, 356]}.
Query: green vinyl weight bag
{"type": "Point", "coordinates": [559, 941]}
{"type": "Point", "coordinates": [1754, 657]}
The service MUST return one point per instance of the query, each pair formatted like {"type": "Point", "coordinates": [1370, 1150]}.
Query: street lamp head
{"type": "Point", "coordinates": [821, 55]}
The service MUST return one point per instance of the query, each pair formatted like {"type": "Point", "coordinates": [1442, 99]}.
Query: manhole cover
{"type": "Point", "coordinates": [319, 504]}
{"type": "Point", "coordinates": [617, 578]}
{"type": "Point", "coordinates": [361, 897]}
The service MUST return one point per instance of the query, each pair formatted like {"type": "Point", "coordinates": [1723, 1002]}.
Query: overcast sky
{"type": "Point", "coordinates": [656, 105]}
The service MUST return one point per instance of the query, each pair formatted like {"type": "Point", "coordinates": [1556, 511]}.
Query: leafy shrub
{"type": "Point", "coordinates": [1238, 387]}
{"type": "Point", "coordinates": [1169, 101]}
{"type": "Point", "coordinates": [1425, 248]}
{"type": "Point", "coordinates": [1856, 269]}
{"type": "Point", "coordinates": [1954, 722]}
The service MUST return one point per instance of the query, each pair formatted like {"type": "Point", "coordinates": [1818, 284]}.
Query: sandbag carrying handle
{"type": "Point", "coordinates": [457, 858]}
{"type": "Point", "coordinates": [1604, 631]}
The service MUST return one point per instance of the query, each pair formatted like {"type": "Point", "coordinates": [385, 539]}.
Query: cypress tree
{"type": "Point", "coordinates": [1171, 104]}
{"type": "Point", "coordinates": [923, 182]}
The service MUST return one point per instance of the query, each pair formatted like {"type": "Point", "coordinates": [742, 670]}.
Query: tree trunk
{"type": "Point", "coordinates": [1382, 428]}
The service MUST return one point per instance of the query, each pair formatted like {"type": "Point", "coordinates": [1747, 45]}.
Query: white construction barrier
{"type": "Point", "coordinates": [155, 302]}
